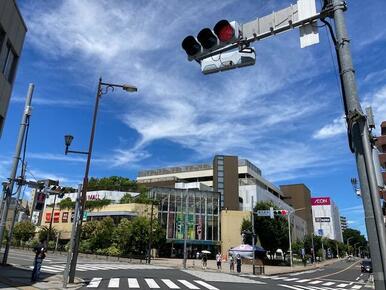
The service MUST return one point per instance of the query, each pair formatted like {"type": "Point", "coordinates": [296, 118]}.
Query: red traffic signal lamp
{"type": "Point", "coordinates": [208, 40]}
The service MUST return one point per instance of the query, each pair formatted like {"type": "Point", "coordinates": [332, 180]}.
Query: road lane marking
{"type": "Point", "coordinates": [151, 283]}
{"type": "Point", "coordinates": [303, 280]}
{"type": "Point", "coordinates": [133, 283]}
{"type": "Point", "coordinates": [290, 287]}
{"type": "Point", "coordinates": [114, 283]}
{"type": "Point", "coordinates": [341, 271]}
{"type": "Point", "coordinates": [206, 285]}
{"type": "Point", "coordinates": [188, 284]}
{"type": "Point", "coordinates": [356, 287]}
{"type": "Point", "coordinates": [170, 284]}
{"type": "Point", "coordinates": [290, 279]}
{"type": "Point", "coordinates": [94, 283]}
{"type": "Point", "coordinates": [342, 285]}
{"type": "Point", "coordinates": [328, 283]}
{"type": "Point", "coordinates": [315, 282]}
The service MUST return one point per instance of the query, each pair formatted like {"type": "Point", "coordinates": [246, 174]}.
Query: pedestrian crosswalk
{"type": "Point", "coordinates": [313, 284]}
{"type": "Point", "coordinates": [134, 283]}
{"type": "Point", "coordinates": [58, 268]}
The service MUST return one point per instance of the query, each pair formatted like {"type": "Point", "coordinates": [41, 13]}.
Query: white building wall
{"type": "Point", "coordinates": [326, 220]}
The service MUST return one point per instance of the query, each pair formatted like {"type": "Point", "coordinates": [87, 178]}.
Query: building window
{"type": "Point", "coordinates": [220, 179]}
{"type": "Point", "coordinates": [9, 66]}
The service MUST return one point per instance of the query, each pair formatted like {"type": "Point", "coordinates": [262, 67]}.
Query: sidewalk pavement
{"type": "Point", "coordinates": [245, 269]}
{"type": "Point", "coordinates": [13, 277]}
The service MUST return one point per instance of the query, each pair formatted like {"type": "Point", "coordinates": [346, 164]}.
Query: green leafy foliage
{"type": "Point", "coordinates": [99, 203]}
{"type": "Point", "coordinates": [129, 237]}
{"type": "Point", "coordinates": [24, 231]}
{"type": "Point", "coordinates": [66, 203]}
{"type": "Point", "coordinates": [127, 198]}
{"type": "Point", "coordinates": [46, 234]}
{"type": "Point", "coordinates": [273, 233]}
{"type": "Point", "coordinates": [246, 226]}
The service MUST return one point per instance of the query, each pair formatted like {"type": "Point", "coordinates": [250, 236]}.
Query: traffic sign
{"type": "Point", "coordinates": [263, 212]}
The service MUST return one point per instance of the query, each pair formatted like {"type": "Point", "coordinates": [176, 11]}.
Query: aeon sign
{"type": "Point", "coordinates": [315, 201]}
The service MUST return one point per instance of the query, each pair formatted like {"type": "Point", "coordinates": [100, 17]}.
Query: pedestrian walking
{"type": "Point", "coordinates": [231, 263]}
{"type": "Point", "coordinates": [218, 260]}
{"type": "Point", "coordinates": [40, 254]}
{"type": "Point", "coordinates": [238, 263]}
{"type": "Point", "coordinates": [204, 262]}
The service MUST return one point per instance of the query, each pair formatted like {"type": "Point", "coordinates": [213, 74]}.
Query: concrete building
{"type": "Point", "coordinates": [12, 34]}
{"type": "Point", "coordinates": [326, 218]}
{"type": "Point", "coordinates": [299, 197]}
{"type": "Point", "coordinates": [343, 223]}
{"type": "Point", "coordinates": [237, 180]}
{"type": "Point", "coordinates": [62, 219]}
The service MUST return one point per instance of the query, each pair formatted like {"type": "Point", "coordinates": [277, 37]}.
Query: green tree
{"type": "Point", "coordinates": [127, 198]}
{"type": "Point", "coordinates": [66, 203]}
{"type": "Point", "coordinates": [113, 183]}
{"type": "Point", "coordinates": [246, 229]}
{"type": "Point", "coordinates": [102, 235]}
{"type": "Point", "coordinates": [273, 233]}
{"type": "Point", "coordinates": [46, 234]}
{"type": "Point", "coordinates": [24, 231]}
{"type": "Point", "coordinates": [99, 203]}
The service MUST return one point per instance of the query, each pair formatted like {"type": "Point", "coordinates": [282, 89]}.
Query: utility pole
{"type": "Point", "coordinates": [10, 235]}
{"type": "Point", "coordinates": [360, 138]}
{"type": "Point", "coordinates": [186, 228]}
{"type": "Point", "coordinates": [16, 158]}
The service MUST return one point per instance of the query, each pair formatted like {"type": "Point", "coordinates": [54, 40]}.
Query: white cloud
{"type": "Point", "coordinates": [337, 127]}
{"type": "Point", "coordinates": [51, 102]}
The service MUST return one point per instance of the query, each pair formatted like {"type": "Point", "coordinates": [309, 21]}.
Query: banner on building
{"type": "Point", "coordinates": [322, 219]}
{"type": "Point", "coordinates": [48, 217]}
{"type": "Point", "coordinates": [315, 201]}
{"type": "Point", "coordinates": [56, 216]}
{"type": "Point", "coordinates": [65, 217]}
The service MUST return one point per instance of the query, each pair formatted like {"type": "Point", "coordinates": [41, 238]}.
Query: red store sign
{"type": "Point", "coordinates": [315, 201]}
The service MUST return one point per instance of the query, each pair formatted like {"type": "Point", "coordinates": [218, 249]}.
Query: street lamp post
{"type": "Point", "coordinates": [289, 232]}
{"type": "Point", "coordinates": [347, 242]}
{"type": "Point", "coordinates": [103, 88]}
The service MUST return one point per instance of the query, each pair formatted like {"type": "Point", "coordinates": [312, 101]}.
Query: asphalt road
{"type": "Point", "coordinates": [99, 274]}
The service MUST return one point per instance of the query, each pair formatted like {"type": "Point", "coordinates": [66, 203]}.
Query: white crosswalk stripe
{"type": "Point", "coordinates": [315, 282]}
{"type": "Point", "coordinates": [290, 279]}
{"type": "Point", "coordinates": [170, 284]}
{"type": "Point", "coordinates": [206, 285]}
{"type": "Point", "coordinates": [94, 283]}
{"type": "Point", "coordinates": [188, 284]}
{"type": "Point", "coordinates": [341, 285]}
{"type": "Point", "coordinates": [133, 283]}
{"type": "Point", "coordinates": [328, 283]}
{"type": "Point", "coordinates": [114, 283]}
{"type": "Point", "coordinates": [151, 283]}
{"type": "Point", "coordinates": [356, 287]}
{"type": "Point", "coordinates": [303, 280]}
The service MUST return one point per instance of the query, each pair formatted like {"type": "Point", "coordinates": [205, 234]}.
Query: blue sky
{"type": "Point", "coordinates": [284, 114]}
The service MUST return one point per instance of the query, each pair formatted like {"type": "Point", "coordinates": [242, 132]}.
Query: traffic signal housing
{"type": "Point", "coordinates": [208, 40]}
{"type": "Point", "coordinates": [280, 212]}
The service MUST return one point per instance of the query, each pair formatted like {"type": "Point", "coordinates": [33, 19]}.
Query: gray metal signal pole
{"type": "Point", "coordinates": [253, 239]}
{"type": "Point", "coordinates": [16, 158]}
{"type": "Point", "coordinates": [359, 133]}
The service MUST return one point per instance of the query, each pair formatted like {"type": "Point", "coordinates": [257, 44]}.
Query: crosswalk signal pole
{"type": "Point", "coordinates": [360, 138]}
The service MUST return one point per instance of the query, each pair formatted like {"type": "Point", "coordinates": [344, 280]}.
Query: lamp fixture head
{"type": "Point", "coordinates": [129, 88]}
{"type": "Point", "coordinates": [68, 139]}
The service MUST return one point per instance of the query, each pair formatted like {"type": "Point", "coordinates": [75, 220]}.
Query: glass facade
{"type": "Point", "coordinates": [195, 209]}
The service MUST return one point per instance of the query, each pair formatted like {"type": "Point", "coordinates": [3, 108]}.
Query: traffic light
{"type": "Point", "coordinates": [280, 212]}
{"type": "Point", "coordinates": [40, 200]}
{"type": "Point", "coordinates": [208, 40]}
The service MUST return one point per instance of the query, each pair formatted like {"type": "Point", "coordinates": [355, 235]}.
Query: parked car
{"type": "Point", "coordinates": [366, 266]}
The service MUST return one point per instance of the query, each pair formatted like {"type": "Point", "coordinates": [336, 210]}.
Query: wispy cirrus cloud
{"type": "Point", "coordinates": [337, 127]}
